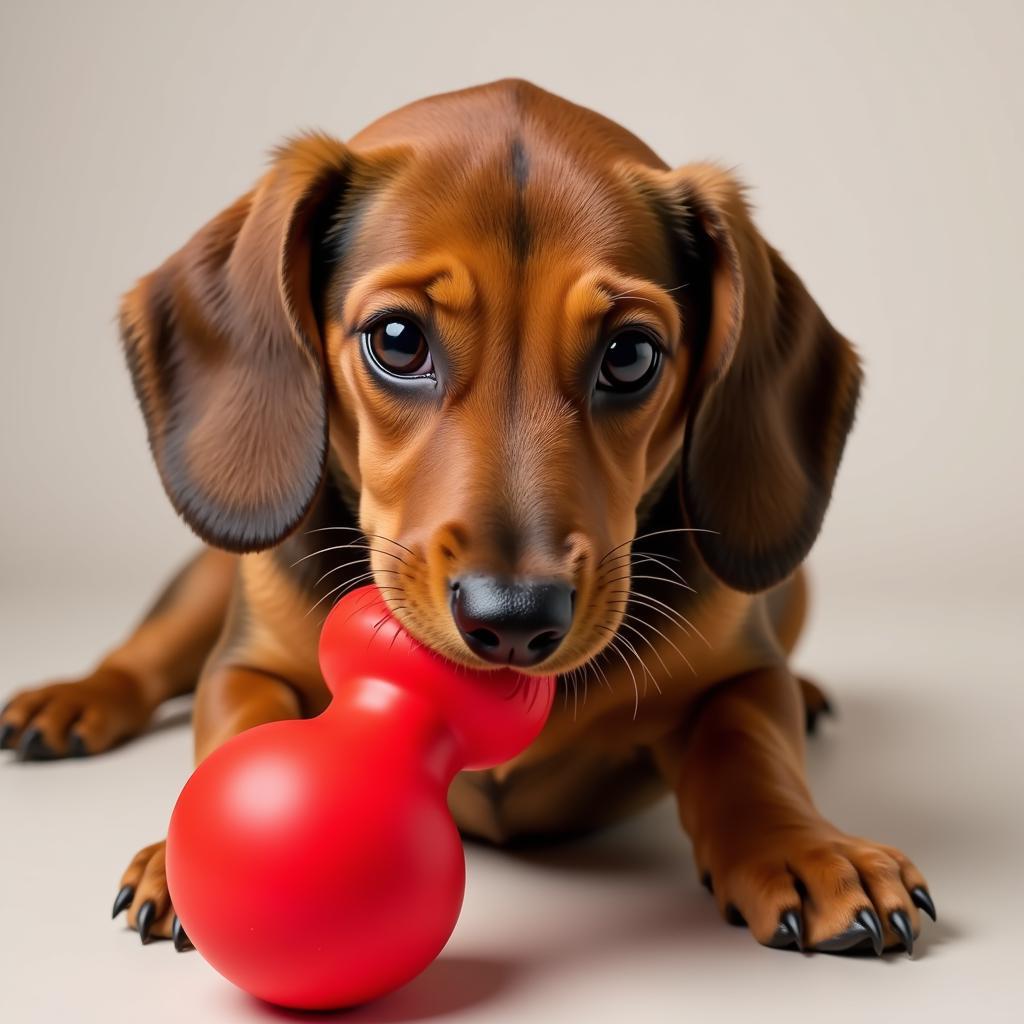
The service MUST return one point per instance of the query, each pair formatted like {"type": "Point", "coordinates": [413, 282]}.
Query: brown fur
{"type": "Point", "coordinates": [522, 229]}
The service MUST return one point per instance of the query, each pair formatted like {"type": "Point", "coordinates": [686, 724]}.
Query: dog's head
{"type": "Point", "coordinates": [506, 322]}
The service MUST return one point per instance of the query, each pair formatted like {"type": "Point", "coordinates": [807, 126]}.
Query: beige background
{"type": "Point", "coordinates": [884, 144]}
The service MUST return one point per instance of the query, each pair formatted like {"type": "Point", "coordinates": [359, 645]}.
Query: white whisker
{"type": "Point", "coordinates": [629, 669]}
{"type": "Point", "coordinates": [653, 533]}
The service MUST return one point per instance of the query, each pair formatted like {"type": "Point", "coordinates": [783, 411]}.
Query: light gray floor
{"type": "Point", "coordinates": [927, 755]}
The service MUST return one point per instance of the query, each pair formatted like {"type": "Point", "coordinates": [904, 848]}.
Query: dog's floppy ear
{"type": "Point", "coordinates": [773, 396]}
{"type": "Point", "coordinates": [226, 356]}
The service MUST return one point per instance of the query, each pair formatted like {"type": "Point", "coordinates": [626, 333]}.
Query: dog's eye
{"type": "Point", "coordinates": [630, 361]}
{"type": "Point", "coordinates": [398, 346]}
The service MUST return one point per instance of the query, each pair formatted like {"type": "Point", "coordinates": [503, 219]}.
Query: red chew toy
{"type": "Point", "coordinates": [314, 863]}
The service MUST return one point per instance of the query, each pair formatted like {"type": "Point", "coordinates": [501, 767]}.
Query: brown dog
{"type": "Point", "coordinates": [568, 410]}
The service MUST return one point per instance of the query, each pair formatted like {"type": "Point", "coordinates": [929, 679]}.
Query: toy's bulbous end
{"type": "Point", "coordinates": [495, 714]}
{"type": "Point", "coordinates": [310, 867]}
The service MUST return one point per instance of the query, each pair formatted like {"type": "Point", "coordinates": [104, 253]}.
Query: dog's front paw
{"type": "Point", "coordinates": [74, 719]}
{"type": "Point", "coordinates": [817, 889]}
{"type": "Point", "coordinates": [144, 895]}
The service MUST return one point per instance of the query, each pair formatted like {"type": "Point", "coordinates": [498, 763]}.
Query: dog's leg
{"type": "Point", "coordinates": [771, 860]}
{"type": "Point", "coordinates": [161, 659]}
{"type": "Point", "coordinates": [229, 700]}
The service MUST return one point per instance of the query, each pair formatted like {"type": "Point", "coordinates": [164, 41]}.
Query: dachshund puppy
{"type": "Point", "coordinates": [570, 412]}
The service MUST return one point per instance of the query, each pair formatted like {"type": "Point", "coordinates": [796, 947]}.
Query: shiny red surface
{"type": "Point", "coordinates": [314, 863]}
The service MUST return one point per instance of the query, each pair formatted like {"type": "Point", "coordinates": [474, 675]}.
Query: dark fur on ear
{"type": "Point", "coordinates": [225, 353]}
{"type": "Point", "coordinates": [773, 396]}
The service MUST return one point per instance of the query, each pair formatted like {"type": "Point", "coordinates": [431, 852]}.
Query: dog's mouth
{"type": "Point", "coordinates": [558, 623]}
{"type": "Point", "coordinates": [551, 633]}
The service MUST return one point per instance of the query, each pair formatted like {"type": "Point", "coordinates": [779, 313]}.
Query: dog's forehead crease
{"type": "Point", "coordinates": [519, 190]}
{"type": "Point", "coordinates": [480, 204]}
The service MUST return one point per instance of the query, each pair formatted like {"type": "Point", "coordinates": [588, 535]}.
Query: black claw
{"type": "Point", "coordinates": [812, 715]}
{"type": "Point", "coordinates": [791, 919]}
{"type": "Point", "coordinates": [32, 746]}
{"type": "Point", "coordinates": [734, 917]}
{"type": "Point", "coordinates": [923, 901]}
{"type": "Point", "coordinates": [144, 920]}
{"type": "Point", "coordinates": [178, 937]}
{"type": "Point", "coordinates": [123, 899]}
{"type": "Point", "coordinates": [76, 746]}
{"type": "Point", "coordinates": [789, 933]}
{"type": "Point", "coordinates": [869, 919]}
{"type": "Point", "coordinates": [901, 926]}
{"type": "Point", "coordinates": [7, 730]}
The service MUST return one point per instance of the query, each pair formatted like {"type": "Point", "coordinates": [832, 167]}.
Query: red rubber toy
{"type": "Point", "coordinates": [314, 863]}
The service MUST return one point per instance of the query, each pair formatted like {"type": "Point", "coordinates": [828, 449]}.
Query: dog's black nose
{"type": "Point", "coordinates": [518, 623]}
